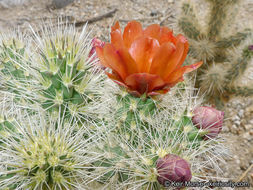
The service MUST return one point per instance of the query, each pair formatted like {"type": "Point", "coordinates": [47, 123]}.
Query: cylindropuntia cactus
{"type": "Point", "coordinates": [213, 44]}
{"type": "Point", "coordinates": [61, 72]}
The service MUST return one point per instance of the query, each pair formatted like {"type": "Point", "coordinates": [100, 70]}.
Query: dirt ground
{"type": "Point", "coordinates": [238, 129]}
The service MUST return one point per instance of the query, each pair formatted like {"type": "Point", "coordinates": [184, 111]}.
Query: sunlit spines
{"type": "Point", "coordinates": [66, 54]}
{"type": "Point", "coordinates": [62, 72]}
{"type": "Point", "coordinates": [9, 111]}
{"type": "Point", "coordinates": [203, 49]}
{"type": "Point", "coordinates": [45, 154]}
{"type": "Point", "coordinates": [131, 151]}
{"type": "Point", "coordinates": [14, 61]}
{"type": "Point", "coordinates": [137, 162]}
{"type": "Point", "coordinates": [213, 79]}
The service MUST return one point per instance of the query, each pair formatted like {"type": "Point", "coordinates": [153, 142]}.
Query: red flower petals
{"type": "Point", "coordinates": [146, 61]}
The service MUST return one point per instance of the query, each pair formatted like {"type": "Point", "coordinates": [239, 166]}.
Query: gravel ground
{"type": "Point", "coordinates": [238, 129]}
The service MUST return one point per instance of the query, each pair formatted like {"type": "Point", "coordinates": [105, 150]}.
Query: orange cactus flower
{"type": "Point", "coordinates": [145, 61]}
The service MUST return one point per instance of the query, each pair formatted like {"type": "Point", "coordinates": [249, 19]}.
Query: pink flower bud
{"type": "Point", "coordinates": [96, 43]}
{"type": "Point", "coordinates": [250, 47]}
{"type": "Point", "coordinates": [172, 168]}
{"type": "Point", "coordinates": [209, 119]}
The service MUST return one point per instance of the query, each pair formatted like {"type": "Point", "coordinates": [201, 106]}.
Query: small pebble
{"type": "Point", "coordinates": [241, 113]}
{"type": "Point", "coordinates": [234, 129]}
{"type": "Point", "coordinates": [237, 122]}
{"type": "Point", "coordinates": [248, 127]}
{"type": "Point", "coordinates": [59, 4]}
{"type": "Point", "coordinates": [154, 13]}
{"type": "Point", "coordinates": [236, 118]}
{"type": "Point", "coordinates": [225, 128]}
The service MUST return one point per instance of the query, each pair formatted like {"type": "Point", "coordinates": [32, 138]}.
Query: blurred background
{"type": "Point", "coordinates": [101, 14]}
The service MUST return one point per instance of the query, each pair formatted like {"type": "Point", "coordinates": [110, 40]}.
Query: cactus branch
{"type": "Point", "coordinates": [236, 69]}
{"type": "Point", "coordinates": [224, 1]}
{"type": "Point", "coordinates": [218, 15]}
{"type": "Point", "coordinates": [189, 28]}
{"type": "Point", "coordinates": [240, 91]}
{"type": "Point", "coordinates": [234, 40]}
{"type": "Point", "coordinates": [188, 11]}
{"type": "Point", "coordinates": [220, 57]}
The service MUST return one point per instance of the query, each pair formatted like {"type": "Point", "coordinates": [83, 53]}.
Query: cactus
{"type": "Point", "coordinates": [7, 117]}
{"type": "Point", "coordinates": [223, 64]}
{"type": "Point", "coordinates": [129, 111]}
{"type": "Point", "coordinates": [44, 154]}
{"type": "Point", "coordinates": [135, 143]}
{"type": "Point", "coordinates": [55, 72]}
{"type": "Point", "coordinates": [146, 119]}
{"type": "Point", "coordinates": [80, 130]}
{"type": "Point", "coordinates": [14, 75]}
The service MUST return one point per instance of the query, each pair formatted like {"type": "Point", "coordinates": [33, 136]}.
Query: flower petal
{"type": "Point", "coordinates": [181, 38]}
{"type": "Point", "coordinates": [175, 77]}
{"type": "Point", "coordinates": [100, 54]}
{"type": "Point", "coordinates": [116, 79]}
{"type": "Point", "coordinates": [114, 61]}
{"type": "Point", "coordinates": [116, 39]}
{"type": "Point", "coordinates": [142, 51]}
{"type": "Point", "coordinates": [119, 60]}
{"type": "Point", "coordinates": [131, 66]}
{"type": "Point", "coordinates": [152, 31]}
{"type": "Point", "coordinates": [115, 27]}
{"type": "Point", "coordinates": [132, 31]}
{"type": "Point", "coordinates": [158, 92]}
{"type": "Point", "coordinates": [190, 68]}
{"type": "Point", "coordinates": [162, 34]}
{"type": "Point", "coordinates": [166, 35]}
{"type": "Point", "coordinates": [161, 59]}
{"type": "Point", "coordinates": [178, 74]}
{"type": "Point", "coordinates": [175, 59]}
{"type": "Point", "coordinates": [144, 82]}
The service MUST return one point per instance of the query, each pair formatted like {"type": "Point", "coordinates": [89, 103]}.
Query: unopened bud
{"type": "Point", "coordinates": [172, 168]}
{"type": "Point", "coordinates": [209, 119]}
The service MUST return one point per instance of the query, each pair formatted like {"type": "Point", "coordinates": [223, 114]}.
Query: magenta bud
{"type": "Point", "coordinates": [209, 119]}
{"type": "Point", "coordinates": [96, 43]}
{"type": "Point", "coordinates": [250, 47]}
{"type": "Point", "coordinates": [172, 168]}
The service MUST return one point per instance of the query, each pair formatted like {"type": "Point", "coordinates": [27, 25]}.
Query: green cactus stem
{"type": "Point", "coordinates": [56, 72]}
